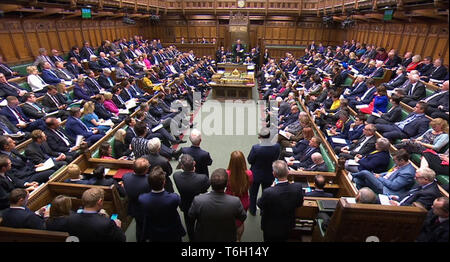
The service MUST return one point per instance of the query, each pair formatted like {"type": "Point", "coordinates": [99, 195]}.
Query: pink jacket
{"type": "Point", "coordinates": [110, 106]}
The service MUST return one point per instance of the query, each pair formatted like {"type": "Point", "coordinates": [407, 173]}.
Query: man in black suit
{"type": "Point", "coordinates": [6, 70]}
{"type": "Point", "coordinates": [319, 164]}
{"type": "Point", "coordinates": [215, 213]}
{"type": "Point", "coordinates": [75, 67]}
{"type": "Point", "coordinates": [155, 159]}
{"type": "Point", "coordinates": [436, 224]}
{"type": "Point", "coordinates": [304, 157]}
{"type": "Point", "coordinates": [59, 141]}
{"type": "Point", "coordinates": [319, 185]}
{"type": "Point", "coordinates": [86, 51]}
{"type": "Point", "coordinates": [75, 53]}
{"type": "Point", "coordinates": [407, 59]}
{"type": "Point", "coordinates": [134, 185]}
{"type": "Point", "coordinates": [398, 80]}
{"type": "Point", "coordinates": [55, 57]}
{"type": "Point", "coordinates": [437, 72]}
{"type": "Point", "coordinates": [9, 182]}
{"type": "Point", "coordinates": [424, 192]}
{"type": "Point", "coordinates": [201, 157]}
{"type": "Point", "coordinates": [92, 225]}
{"type": "Point", "coordinates": [105, 80]}
{"type": "Point", "coordinates": [363, 146]}
{"type": "Point", "coordinates": [10, 89]}
{"type": "Point", "coordinates": [437, 103]}
{"type": "Point", "coordinates": [18, 215]}
{"type": "Point", "coordinates": [62, 73]}
{"type": "Point", "coordinates": [8, 129]}
{"type": "Point", "coordinates": [22, 167]}
{"type": "Point", "coordinates": [278, 204]}
{"type": "Point", "coordinates": [34, 110]}
{"type": "Point", "coordinates": [130, 122]}
{"type": "Point", "coordinates": [38, 151]}
{"type": "Point", "coordinates": [190, 183]}
{"type": "Point", "coordinates": [415, 91]}
{"type": "Point", "coordinates": [53, 100]}
{"type": "Point", "coordinates": [92, 83]}
{"type": "Point", "coordinates": [424, 66]}
{"type": "Point", "coordinates": [411, 127]}
{"type": "Point", "coordinates": [102, 112]}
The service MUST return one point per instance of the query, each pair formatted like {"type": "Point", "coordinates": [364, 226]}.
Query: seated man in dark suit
{"type": "Point", "coordinates": [92, 83]}
{"type": "Point", "coordinates": [10, 89]}
{"type": "Point", "coordinates": [437, 103]}
{"type": "Point", "coordinates": [436, 224]}
{"type": "Point", "coordinates": [102, 112]}
{"type": "Point", "coordinates": [55, 57]}
{"type": "Point", "coordinates": [49, 76]}
{"type": "Point", "coordinates": [16, 116]}
{"type": "Point", "coordinates": [81, 91]}
{"type": "Point", "coordinates": [75, 127]}
{"type": "Point", "coordinates": [362, 146]}
{"type": "Point", "coordinates": [35, 110]}
{"type": "Point", "coordinates": [75, 67]}
{"type": "Point", "coordinates": [9, 182]}
{"type": "Point", "coordinates": [6, 70]}
{"type": "Point", "coordinates": [8, 129]}
{"type": "Point", "coordinates": [18, 215]}
{"type": "Point", "coordinates": [38, 151]}
{"type": "Point", "coordinates": [412, 127]}
{"type": "Point", "coordinates": [398, 80]}
{"type": "Point", "coordinates": [91, 225]}
{"type": "Point", "coordinates": [436, 72]}
{"type": "Point", "coordinates": [376, 161]}
{"type": "Point", "coordinates": [94, 65]}
{"type": "Point", "coordinates": [201, 157]}
{"type": "Point", "coordinates": [357, 89]}
{"type": "Point", "coordinates": [64, 74]}
{"type": "Point", "coordinates": [304, 158]}
{"type": "Point", "coordinates": [105, 80]}
{"type": "Point", "coordinates": [319, 185]}
{"type": "Point", "coordinates": [319, 164]}
{"type": "Point", "coordinates": [425, 191]}
{"type": "Point", "coordinates": [365, 98]}
{"type": "Point", "coordinates": [53, 100]}
{"type": "Point", "coordinates": [59, 141]}
{"type": "Point", "coordinates": [415, 91]}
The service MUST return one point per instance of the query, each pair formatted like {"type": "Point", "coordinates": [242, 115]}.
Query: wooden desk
{"type": "Point", "coordinates": [229, 67]}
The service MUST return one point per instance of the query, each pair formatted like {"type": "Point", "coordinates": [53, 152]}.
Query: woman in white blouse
{"type": "Point", "coordinates": [36, 83]}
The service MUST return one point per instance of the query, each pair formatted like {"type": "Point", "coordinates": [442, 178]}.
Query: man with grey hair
{"type": "Point", "coordinates": [436, 224]}
{"type": "Point", "coordinates": [415, 91]}
{"type": "Point", "coordinates": [424, 192]}
{"type": "Point", "coordinates": [105, 80]}
{"type": "Point", "coordinates": [366, 196]}
{"type": "Point", "coordinates": [43, 57]}
{"type": "Point", "coordinates": [376, 161]}
{"type": "Point", "coordinates": [201, 157]}
{"type": "Point", "coordinates": [319, 163]}
{"type": "Point", "coordinates": [278, 204]}
{"type": "Point", "coordinates": [155, 159]}
{"type": "Point", "coordinates": [189, 184]}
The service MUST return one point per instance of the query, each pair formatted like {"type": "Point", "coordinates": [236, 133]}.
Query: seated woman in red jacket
{"type": "Point", "coordinates": [415, 61]}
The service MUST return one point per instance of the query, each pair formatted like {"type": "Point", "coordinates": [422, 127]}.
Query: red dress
{"type": "Point", "coordinates": [245, 198]}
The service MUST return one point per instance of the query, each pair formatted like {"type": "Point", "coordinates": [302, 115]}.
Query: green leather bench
{"type": "Point", "coordinates": [327, 159]}
{"type": "Point", "coordinates": [22, 69]}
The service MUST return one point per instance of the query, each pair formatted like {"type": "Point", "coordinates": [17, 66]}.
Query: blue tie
{"type": "Point", "coordinates": [408, 120]}
{"type": "Point", "coordinates": [110, 82]}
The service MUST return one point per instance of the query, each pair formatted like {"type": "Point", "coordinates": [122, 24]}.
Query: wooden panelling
{"type": "Point", "coordinates": [19, 44]}
{"type": "Point", "coordinates": [423, 39]}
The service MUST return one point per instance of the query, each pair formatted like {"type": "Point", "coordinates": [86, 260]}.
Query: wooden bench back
{"type": "Point", "coordinates": [8, 234]}
{"type": "Point", "coordinates": [357, 222]}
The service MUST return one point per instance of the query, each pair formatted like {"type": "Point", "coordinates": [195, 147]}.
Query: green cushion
{"type": "Point", "coordinates": [442, 180]}
{"type": "Point", "coordinates": [429, 92]}
{"type": "Point", "coordinates": [348, 81]}
{"type": "Point", "coordinates": [404, 114]}
{"type": "Point", "coordinates": [416, 158]}
{"type": "Point", "coordinates": [25, 86]}
{"type": "Point", "coordinates": [22, 69]}
{"type": "Point", "coordinates": [327, 159]}
{"type": "Point", "coordinates": [391, 163]}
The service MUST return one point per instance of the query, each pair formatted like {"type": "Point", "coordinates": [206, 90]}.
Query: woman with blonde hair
{"type": "Point", "coordinates": [109, 104]}
{"type": "Point", "coordinates": [62, 89]}
{"type": "Point", "coordinates": [91, 119]}
{"type": "Point", "coordinates": [36, 83]}
{"type": "Point", "coordinates": [435, 139]}
{"type": "Point", "coordinates": [239, 181]}
{"type": "Point", "coordinates": [415, 61]}
{"type": "Point", "coordinates": [120, 148]}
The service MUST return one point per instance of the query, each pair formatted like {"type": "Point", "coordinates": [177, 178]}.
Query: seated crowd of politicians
{"type": "Point", "coordinates": [348, 115]}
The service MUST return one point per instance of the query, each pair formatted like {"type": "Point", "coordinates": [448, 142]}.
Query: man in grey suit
{"type": "Point", "coordinates": [215, 212]}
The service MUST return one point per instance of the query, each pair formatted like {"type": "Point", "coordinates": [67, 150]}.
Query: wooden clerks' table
{"type": "Point", "coordinates": [233, 85]}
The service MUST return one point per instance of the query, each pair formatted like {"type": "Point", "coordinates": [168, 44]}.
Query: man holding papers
{"type": "Point", "coordinates": [59, 141]}
{"type": "Point", "coordinates": [34, 110]}
{"type": "Point", "coordinates": [74, 127]}
{"type": "Point", "coordinates": [39, 153]}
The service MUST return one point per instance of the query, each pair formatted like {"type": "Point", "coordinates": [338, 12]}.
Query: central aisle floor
{"type": "Point", "coordinates": [220, 147]}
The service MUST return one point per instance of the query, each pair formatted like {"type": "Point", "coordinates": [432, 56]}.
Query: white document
{"type": "Point", "coordinates": [362, 106]}
{"type": "Point", "coordinates": [107, 171]}
{"type": "Point", "coordinates": [108, 122]}
{"type": "Point", "coordinates": [52, 113]}
{"type": "Point", "coordinates": [250, 67]}
{"type": "Point", "coordinates": [350, 200]}
{"type": "Point", "coordinates": [124, 111]}
{"type": "Point", "coordinates": [352, 162]}
{"type": "Point", "coordinates": [339, 140]}
{"type": "Point", "coordinates": [376, 114]}
{"type": "Point", "coordinates": [47, 165]}
{"type": "Point", "coordinates": [4, 102]}
{"type": "Point", "coordinates": [68, 83]}
{"type": "Point", "coordinates": [289, 150]}
{"type": "Point", "coordinates": [78, 141]}
{"type": "Point", "coordinates": [156, 128]}
{"type": "Point", "coordinates": [355, 71]}
{"type": "Point", "coordinates": [283, 133]}
{"type": "Point", "coordinates": [130, 103]}
{"type": "Point", "coordinates": [275, 108]}
{"type": "Point", "coordinates": [384, 200]}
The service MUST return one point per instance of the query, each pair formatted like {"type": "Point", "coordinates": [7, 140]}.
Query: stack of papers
{"type": "Point", "coordinates": [289, 149]}
{"type": "Point", "coordinates": [384, 200]}
{"type": "Point", "coordinates": [108, 122]}
{"type": "Point", "coordinates": [285, 134]}
{"type": "Point", "coordinates": [78, 141]}
{"type": "Point", "coordinates": [352, 162]}
{"type": "Point", "coordinates": [339, 140]}
{"type": "Point", "coordinates": [130, 103]}
{"type": "Point", "coordinates": [47, 165]}
{"type": "Point", "coordinates": [124, 111]}
{"type": "Point", "coordinates": [376, 114]}
{"type": "Point", "coordinates": [362, 106]}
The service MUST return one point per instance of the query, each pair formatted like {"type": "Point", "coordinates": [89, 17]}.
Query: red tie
{"type": "Point", "coordinates": [20, 116]}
